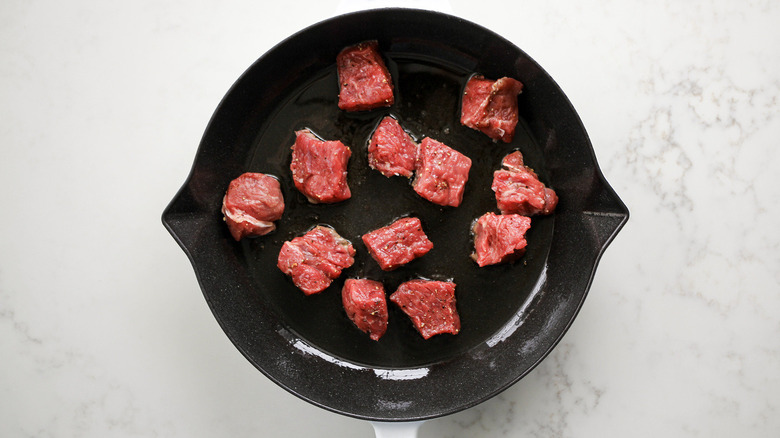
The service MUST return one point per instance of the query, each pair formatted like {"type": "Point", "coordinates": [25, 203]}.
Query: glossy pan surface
{"type": "Point", "coordinates": [512, 315]}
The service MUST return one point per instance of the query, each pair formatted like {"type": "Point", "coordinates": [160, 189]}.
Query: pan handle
{"type": "Point", "coordinates": [396, 430]}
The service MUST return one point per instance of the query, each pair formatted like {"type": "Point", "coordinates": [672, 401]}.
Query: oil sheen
{"type": "Point", "coordinates": [427, 105]}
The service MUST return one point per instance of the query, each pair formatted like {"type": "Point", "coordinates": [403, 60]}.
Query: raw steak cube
{"type": "Point", "coordinates": [430, 305]}
{"type": "Point", "coordinates": [315, 259]}
{"type": "Point", "coordinates": [398, 243]}
{"type": "Point", "coordinates": [391, 150]}
{"type": "Point", "coordinates": [252, 203]}
{"type": "Point", "coordinates": [519, 191]}
{"type": "Point", "coordinates": [364, 80]}
{"type": "Point", "coordinates": [442, 173]}
{"type": "Point", "coordinates": [319, 168]}
{"type": "Point", "coordinates": [365, 304]}
{"type": "Point", "coordinates": [491, 106]}
{"type": "Point", "coordinates": [499, 238]}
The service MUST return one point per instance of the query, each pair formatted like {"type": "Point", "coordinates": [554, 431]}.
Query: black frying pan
{"type": "Point", "coordinates": [512, 315]}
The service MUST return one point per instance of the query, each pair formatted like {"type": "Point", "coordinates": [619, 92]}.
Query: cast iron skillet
{"type": "Point", "coordinates": [512, 315]}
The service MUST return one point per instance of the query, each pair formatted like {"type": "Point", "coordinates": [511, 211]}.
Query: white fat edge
{"type": "Point", "coordinates": [239, 217]}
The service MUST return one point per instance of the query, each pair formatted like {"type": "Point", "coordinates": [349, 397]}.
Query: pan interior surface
{"type": "Point", "coordinates": [428, 96]}
{"type": "Point", "coordinates": [512, 315]}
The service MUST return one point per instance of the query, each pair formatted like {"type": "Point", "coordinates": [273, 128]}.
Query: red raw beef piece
{"type": "Point", "coordinates": [319, 168]}
{"type": "Point", "coordinates": [513, 162]}
{"type": "Point", "coordinates": [364, 80]}
{"type": "Point", "coordinates": [398, 243]}
{"type": "Point", "coordinates": [430, 305]}
{"type": "Point", "coordinates": [519, 191]}
{"type": "Point", "coordinates": [442, 173]}
{"type": "Point", "coordinates": [491, 106]}
{"type": "Point", "coordinates": [252, 203]}
{"type": "Point", "coordinates": [391, 150]}
{"type": "Point", "coordinates": [315, 259]}
{"type": "Point", "coordinates": [499, 238]}
{"type": "Point", "coordinates": [365, 304]}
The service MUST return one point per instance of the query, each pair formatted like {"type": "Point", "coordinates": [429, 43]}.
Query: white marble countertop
{"type": "Point", "coordinates": [103, 329]}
